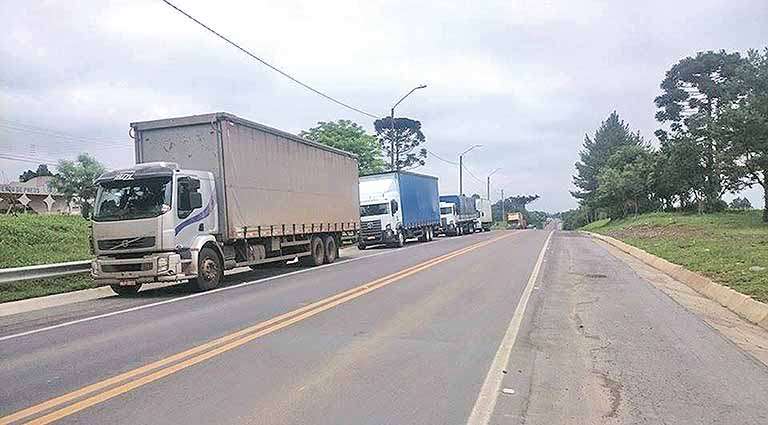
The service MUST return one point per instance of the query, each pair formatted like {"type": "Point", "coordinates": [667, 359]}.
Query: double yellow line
{"type": "Point", "coordinates": [109, 388]}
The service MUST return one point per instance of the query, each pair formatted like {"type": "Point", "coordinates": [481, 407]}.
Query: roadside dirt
{"type": "Point", "coordinates": [652, 231]}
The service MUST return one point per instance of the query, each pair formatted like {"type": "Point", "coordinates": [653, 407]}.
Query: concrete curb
{"type": "Point", "coordinates": [743, 305]}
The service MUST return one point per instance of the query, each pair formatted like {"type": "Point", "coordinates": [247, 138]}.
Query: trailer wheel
{"type": "Point", "coordinates": [125, 291]}
{"type": "Point", "coordinates": [423, 237]}
{"type": "Point", "coordinates": [361, 246]}
{"type": "Point", "coordinates": [331, 250]}
{"type": "Point", "coordinates": [209, 271]}
{"type": "Point", "coordinates": [430, 234]}
{"type": "Point", "coordinates": [317, 251]}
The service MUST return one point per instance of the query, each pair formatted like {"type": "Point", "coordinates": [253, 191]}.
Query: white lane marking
{"type": "Point", "coordinates": [199, 294]}
{"type": "Point", "coordinates": [489, 393]}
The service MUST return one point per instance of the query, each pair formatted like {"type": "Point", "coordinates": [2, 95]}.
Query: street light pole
{"type": "Point", "coordinates": [392, 124]}
{"type": "Point", "coordinates": [488, 183]}
{"type": "Point", "coordinates": [461, 167]}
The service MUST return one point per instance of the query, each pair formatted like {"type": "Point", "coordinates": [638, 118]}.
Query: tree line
{"type": "Point", "coordinates": [713, 111]}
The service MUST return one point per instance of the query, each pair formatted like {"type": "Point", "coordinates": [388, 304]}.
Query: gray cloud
{"type": "Point", "coordinates": [527, 79]}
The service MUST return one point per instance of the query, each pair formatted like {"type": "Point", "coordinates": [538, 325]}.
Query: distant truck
{"type": "Point", "coordinates": [516, 220]}
{"type": "Point", "coordinates": [214, 192]}
{"type": "Point", "coordinates": [396, 206]}
{"type": "Point", "coordinates": [485, 216]}
{"type": "Point", "coordinates": [457, 215]}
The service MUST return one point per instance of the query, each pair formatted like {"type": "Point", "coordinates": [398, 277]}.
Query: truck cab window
{"type": "Point", "coordinates": [188, 196]}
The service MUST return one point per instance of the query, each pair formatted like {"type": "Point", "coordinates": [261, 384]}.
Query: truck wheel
{"type": "Point", "coordinates": [400, 239]}
{"type": "Point", "coordinates": [125, 291]}
{"type": "Point", "coordinates": [317, 251]}
{"type": "Point", "coordinates": [209, 271]}
{"type": "Point", "coordinates": [361, 246]}
{"type": "Point", "coordinates": [423, 236]}
{"type": "Point", "coordinates": [331, 250]}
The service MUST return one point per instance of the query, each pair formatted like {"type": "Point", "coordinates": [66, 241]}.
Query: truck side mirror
{"type": "Point", "coordinates": [393, 205]}
{"type": "Point", "coordinates": [195, 200]}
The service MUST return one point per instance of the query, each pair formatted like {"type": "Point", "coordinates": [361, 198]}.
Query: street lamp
{"type": "Point", "coordinates": [392, 123]}
{"type": "Point", "coordinates": [461, 167]}
{"type": "Point", "coordinates": [488, 190]}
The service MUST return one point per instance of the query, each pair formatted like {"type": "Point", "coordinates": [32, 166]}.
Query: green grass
{"type": "Point", "coordinates": [29, 239]}
{"type": "Point", "coordinates": [41, 287]}
{"type": "Point", "coordinates": [731, 248]}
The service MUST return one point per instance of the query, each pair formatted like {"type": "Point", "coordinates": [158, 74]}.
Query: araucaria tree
{"type": "Point", "coordinates": [400, 139]}
{"type": "Point", "coordinates": [695, 97]}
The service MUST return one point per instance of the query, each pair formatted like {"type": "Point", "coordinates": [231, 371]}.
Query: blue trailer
{"type": "Point", "coordinates": [458, 214]}
{"type": "Point", "coordinates": [397, 205]}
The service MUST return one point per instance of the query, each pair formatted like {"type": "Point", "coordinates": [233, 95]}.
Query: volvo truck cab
{"type": "Point", "coordinates": [149, 223]}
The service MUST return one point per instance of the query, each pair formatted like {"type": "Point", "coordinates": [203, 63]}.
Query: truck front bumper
{"type": "Point", "coordinates": [155, 267]}
{"type": "Point", "coordinates": [382, 237]}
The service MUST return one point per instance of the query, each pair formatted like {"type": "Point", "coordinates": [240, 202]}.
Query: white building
{"type": "Point", "coordinates": [35, 195]}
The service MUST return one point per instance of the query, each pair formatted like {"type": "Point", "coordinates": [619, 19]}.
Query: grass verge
{"type": "Point", "coordinates": [30, 239]}
{"type": "Point", "coordinates": [15, 291]}
{"type": "Point", "coordinates": [730, 248]}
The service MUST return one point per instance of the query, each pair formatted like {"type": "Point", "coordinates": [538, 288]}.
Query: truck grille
{"type": "Point", "coordinates": [131, 267]}
{"type": "Point", "coordinates": [370, 228]}
{"type": "Point", "coordinates": [127, 243]}
{"type": "Point", "coordinates": [443, 222]}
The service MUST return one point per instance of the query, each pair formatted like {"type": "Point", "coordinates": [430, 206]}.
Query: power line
{"type": "Point", "coordinates": [479, 180]}
{"type": "Point", "coordinates": [441, 158]}
{"type": "Point", "coordinates": [62, 137]}
{"type": "Point", "coordinates": [20, 158]}
{"type": "Point", "coordinates": [267, 64]}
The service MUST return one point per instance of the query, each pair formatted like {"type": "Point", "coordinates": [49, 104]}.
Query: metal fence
{"type": "Point", "coordinates": [43, 271]}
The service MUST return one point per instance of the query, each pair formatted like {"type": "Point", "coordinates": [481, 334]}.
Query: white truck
{"type": "Point", "coordinates": [397, 205]}
{"type": "Point", "coordinates": [214, 192]}
{"type": "Point", "coordinates": [485, 219]}
{"type": "Point", "coordinates": [457, 215]}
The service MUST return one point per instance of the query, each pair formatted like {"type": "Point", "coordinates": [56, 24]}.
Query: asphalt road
{"type": "Point", "coordinates": [486, 328]}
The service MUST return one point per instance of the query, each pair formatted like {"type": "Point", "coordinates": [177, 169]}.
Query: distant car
{"type": "Point", "coordinates": [530, 226]}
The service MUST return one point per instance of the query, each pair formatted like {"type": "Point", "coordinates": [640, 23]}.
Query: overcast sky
{"type": "Point", "coordinates": [526, 79]}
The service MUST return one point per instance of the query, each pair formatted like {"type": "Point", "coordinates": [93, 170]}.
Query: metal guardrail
{"type": "Point", "coordinates": [43, 271]}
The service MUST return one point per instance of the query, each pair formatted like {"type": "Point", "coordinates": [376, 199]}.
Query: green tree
{"type": "Point", "coordinates": [42, 170]}
{"type": "Point", "coordinates": [511, 203]}
{"type": "Point", "coordinates": [747, 121]}
{"type": "Point", "coordinates": [612, 135]}
{"type": "Point", "coordinates": [76, 181]}
{"type": "Point", "coordinates": [351, 137]}
{"type": "Point", "coordinates": [400, 139]}
{"type": "Point", "coordinates": [625, 184]}
{"type": "Point", "coordinates": [696, 93]}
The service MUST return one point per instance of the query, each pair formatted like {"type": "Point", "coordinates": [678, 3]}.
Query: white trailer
{"type": "Point", "coordinates": [213, 192]}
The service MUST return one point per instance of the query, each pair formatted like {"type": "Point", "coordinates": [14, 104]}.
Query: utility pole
{"type": "Point", "coordinates": [461, 167]}
{"type": "Point", "coordinates": [488, 183]}
{"type": "Point", "coordinates": [392, 156]}
{"type": "Point", "coordinates": [503, 210]}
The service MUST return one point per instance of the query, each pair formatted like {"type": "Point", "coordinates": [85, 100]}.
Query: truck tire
{"type": "Point", "coordinates": [361, 246]}
{"type": "Point", "coordinates": [400, 239]}
{"type": "Point", "coordinates": [125, 291]}
{"type": "Point", "coordinates": [423, 237]}
{"type": "Point", "coordinates": [331, 250]}
{"type": "Point", "coordinates": [317, 253]}
{"type": "Point", "coordinates": [210, 271]}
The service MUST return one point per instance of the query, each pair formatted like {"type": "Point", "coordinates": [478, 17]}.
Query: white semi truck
{"type": "Point", "coordinates": [485, 218]}
{"type": "Point", "coordinates": [397, 205]}
{"type": "Point", "coordinates": [214, 192]}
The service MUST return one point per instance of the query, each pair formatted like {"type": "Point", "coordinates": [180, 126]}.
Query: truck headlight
{"type": "Point", "coordinates": [162, 264]}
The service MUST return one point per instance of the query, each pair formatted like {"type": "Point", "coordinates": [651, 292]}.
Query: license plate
{"type": "Point", "coordinates": [127, 282]}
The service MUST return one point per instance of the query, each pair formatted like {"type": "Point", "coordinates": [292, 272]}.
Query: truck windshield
{"type": "Point", "coordinates": [374, 209]}
{"type": "Point", "coordinates": [132, 199]}
{"type": "Point", "coordinates": [446, 210]}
